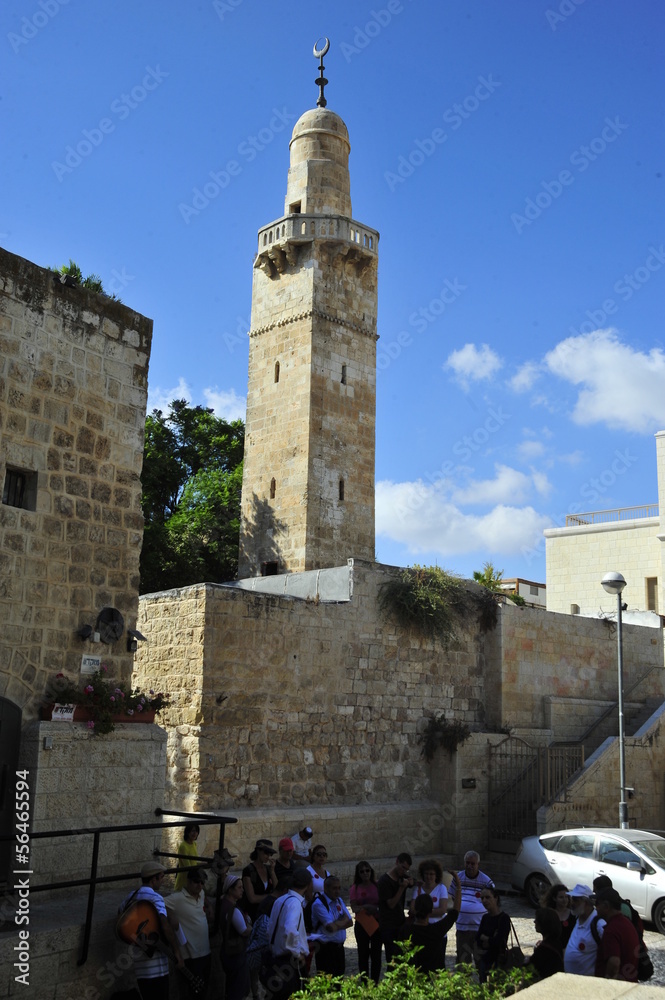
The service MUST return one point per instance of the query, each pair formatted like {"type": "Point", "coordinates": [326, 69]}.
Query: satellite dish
{"type": "Point", "coordinates": [110, 625]}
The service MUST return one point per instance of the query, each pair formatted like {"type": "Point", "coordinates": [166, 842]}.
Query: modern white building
{"type": "Point", "coordinates": [630, 540]}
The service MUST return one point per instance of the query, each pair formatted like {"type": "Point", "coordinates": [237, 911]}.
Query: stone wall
{"type": "Point", "coordinates": [539, 655]}
{"type": "Point", "coordinates": [73, 387]}
{"type": "Point", "coordinates": [84, 781]}
{"type": "Point", "coordinates": [283, 703]}
{"type": "Point", "coordinates": [593, 797]}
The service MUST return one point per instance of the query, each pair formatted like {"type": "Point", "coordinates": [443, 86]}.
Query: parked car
{"type": "Point", "coordinates": [633, 859]}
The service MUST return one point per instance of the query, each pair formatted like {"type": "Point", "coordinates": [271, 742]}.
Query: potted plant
{"type": "Point", "coordinates": [102, 702]}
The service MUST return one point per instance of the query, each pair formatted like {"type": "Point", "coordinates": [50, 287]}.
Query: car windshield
{"type": "Point", "coordinates": [654, 850]}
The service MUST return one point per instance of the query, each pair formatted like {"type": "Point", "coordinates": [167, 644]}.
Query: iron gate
{"type": "Point", "coordinates": [522, 778]}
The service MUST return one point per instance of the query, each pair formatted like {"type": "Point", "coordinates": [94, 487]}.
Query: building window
{"type": "Point", "coordinates": [20, 489]}
{"type": "Point", "coordinates": [652, 593]}
{"type": "Point", "coordinates": [273, 488]}
{"type": "Point", "coordinates": [341, 489]}
{"type": "Point", "coordinates": [343, 374]}
{"type": "Point", "coordinates": [533, 591]}
{"type": "Point", "coordinates": [294, 208]}
{"type": "Point", "coordinates": [277, 371]}
{"type": "Point", "coordinates": [269, 569]}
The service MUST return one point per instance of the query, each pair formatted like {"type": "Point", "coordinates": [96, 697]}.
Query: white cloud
{"type": "Point", "coordinates": [420, 517]}
{"type": "Point", "coordinates": [541, 482]}
{"type": "Point", "coordinates": [226, 403]}
{"type": "Point", "coordinates": [160, 399]}
{"type": "Point", "coordinates": [529, 450]}
{"type": "Point", "coordinates": [471, 364]}
{"type": "Point", "coordinates": [508, 486]}
{"type": "Point", "coordinates": [525, 377]}
{"type": "Point", "coordinates": [621, 387]}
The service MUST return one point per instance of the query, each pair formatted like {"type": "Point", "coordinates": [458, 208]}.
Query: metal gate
{"type": "Point", "coordinates": [521, 779]}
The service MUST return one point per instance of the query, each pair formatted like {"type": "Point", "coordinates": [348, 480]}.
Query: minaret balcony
{"type": "Point", "coordinates": [280, 242]}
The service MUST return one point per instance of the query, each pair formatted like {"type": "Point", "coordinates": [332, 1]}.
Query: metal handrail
{"type": "Point", "coordinates": [203, 819]}
{"type": "Point", "coordinates": [609, 516]}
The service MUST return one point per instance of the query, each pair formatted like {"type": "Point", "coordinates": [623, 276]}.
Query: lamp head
{"type": "Point", "coordinates": [613, 583]}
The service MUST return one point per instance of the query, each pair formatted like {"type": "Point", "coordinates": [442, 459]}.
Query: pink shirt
{"type": "Point", "coordinates": [366, 894]}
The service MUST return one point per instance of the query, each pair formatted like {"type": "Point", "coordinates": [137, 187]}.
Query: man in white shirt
{"type": "Point", "coordinates": [473, 881]}
{"type": "Point", "coordinates": [288, 939]}
{"type": "Point", "coordinates": [187, 910]}
{"type": "Point", "coordinates": [302, 844]}
{"type": "Point", "coordinates": [330, 918]}
{"type": "Point", "coordinates": [579, 957]}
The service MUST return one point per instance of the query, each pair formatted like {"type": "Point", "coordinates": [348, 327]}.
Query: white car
{"type": "Point", "coordinates": [633, 859]}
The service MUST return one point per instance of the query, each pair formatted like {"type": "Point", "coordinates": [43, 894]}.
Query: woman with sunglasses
{"type": "Point", "coordinates": [364, 897]}
{"type": "Point", "coordinates": [317, 867]}
{"type": "Point", "coordinates": [258, 877]}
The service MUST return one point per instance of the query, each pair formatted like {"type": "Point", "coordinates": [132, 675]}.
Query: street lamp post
{"type": "Point", "coordinates": [614, 583]}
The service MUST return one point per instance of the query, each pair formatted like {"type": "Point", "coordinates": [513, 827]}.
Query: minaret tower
{"type": "Point", "coordinates": [308, 482]}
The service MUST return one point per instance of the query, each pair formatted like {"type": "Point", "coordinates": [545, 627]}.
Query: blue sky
{"type": "Point", "coordinates": [511, 157]}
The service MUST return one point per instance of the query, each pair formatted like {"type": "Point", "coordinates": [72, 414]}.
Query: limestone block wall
{"type": "Point", "coordinates": [539, 655]}
{"type": "Point", "coordinates": [73, 388]}
{"type": "Point", "coordinates": [593, 798]}
{"type": "Point", "coordinates": [578, 558]}
{"type": "Point", "coordinates": [284, 702]}
{"type": "Point", "coordinates": [87, 781]}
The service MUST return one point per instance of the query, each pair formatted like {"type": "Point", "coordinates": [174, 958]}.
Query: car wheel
{"type": "Point", "coordinates": [659, 916]}
{"type": "Point", "coordinates": [535, 888]}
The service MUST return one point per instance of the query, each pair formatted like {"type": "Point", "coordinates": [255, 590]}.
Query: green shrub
{"type": "Point", "coordinates": [437, 603]}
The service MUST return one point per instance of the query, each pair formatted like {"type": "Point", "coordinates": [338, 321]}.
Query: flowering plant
{"type": "Point", "coordinates": [104, 698]}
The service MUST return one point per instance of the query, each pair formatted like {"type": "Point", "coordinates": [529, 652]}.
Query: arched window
{"type": "Point", "coordinates": [273, 488]}
{"type": "Point", "coordinates": [277, 371]}
{"type": "Point", "coordinates": [341, 489]}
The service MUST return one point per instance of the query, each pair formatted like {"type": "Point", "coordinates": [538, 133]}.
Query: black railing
{"type": "Point", "coordinates": [203, 819]}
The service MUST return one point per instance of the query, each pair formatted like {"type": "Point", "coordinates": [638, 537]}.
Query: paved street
{"type": "Point", "coordinates": [522, 916]}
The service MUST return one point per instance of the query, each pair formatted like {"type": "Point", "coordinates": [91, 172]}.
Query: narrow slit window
{"type": "Point", "coordinates": [343, 374]}
{"type": "Point", "coordinates": [341, 489]}
{"type": "Point", "coordinates": [20, 489]}
{"type": "Point", "coordinates": [652, 593]}
{"type": "Point", "coordinates": [277, 371]}
{"type": "Point", "coordinates": [273, 489]}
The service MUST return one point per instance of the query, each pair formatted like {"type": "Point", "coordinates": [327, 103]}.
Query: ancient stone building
{"type": "Point", "coordinates": [308, 484]}
{"type": "Point", "coordinates": [73, 388]}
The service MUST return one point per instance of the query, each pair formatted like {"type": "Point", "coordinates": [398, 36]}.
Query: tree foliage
{"type": "Point", "coordinates": [491, 579]}
{"type": "Point", "coordinates": [192, 481]}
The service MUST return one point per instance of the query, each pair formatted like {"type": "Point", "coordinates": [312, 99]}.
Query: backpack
{"type": "Point", "coordinates": [258, 942]}
{"type": "Point", "coordinates": [644, 963]}
{"type": "Point", "coordinates": [307, 912]}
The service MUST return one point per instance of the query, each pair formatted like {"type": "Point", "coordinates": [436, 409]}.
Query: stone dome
{"type": "Point", "coordinates": [319, 172]}
{"type": "Point", "coordinates": [321, 120]}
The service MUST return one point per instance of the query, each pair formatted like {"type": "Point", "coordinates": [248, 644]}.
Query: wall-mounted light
{"type": "Point", "coordinates": [133, 639]}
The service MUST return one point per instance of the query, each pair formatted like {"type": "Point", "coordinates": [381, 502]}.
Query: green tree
{"type": "Point", "coordinates": [192, 481]}
{"type": "Point", "coordinates": [489, 577]}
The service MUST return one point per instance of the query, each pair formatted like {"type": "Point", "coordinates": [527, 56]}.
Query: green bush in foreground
{"type": "Point", "coordinates": [405, 982]}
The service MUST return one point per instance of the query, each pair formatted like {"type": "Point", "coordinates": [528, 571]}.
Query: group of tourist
{"type": "Point", "coordinates": [284, 916]}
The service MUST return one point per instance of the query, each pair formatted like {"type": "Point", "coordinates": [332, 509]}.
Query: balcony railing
{"type": "Point", "coordinates": [606, 516]}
